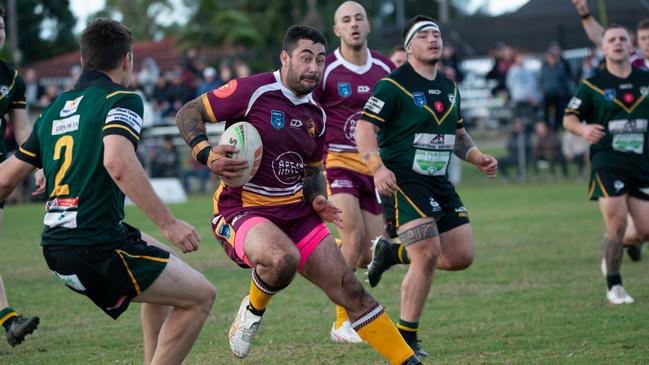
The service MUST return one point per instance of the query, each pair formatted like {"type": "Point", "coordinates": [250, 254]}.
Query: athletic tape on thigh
{"type": "Point", "coordinates": [419, 233]}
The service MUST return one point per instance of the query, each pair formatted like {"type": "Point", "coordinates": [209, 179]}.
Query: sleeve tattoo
{"type": "Point", "coordinates": [314, 184]}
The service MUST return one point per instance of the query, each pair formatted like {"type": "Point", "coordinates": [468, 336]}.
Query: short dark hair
{"type": "Point", "coordinates": [397, 48]}
{"type": "Point", "coordinates": [615, 26]}
{"type": "Point", "coordinates": [103, 44]}
{"type": "Point", "coordinates": [412, 21]}
{"type": "Point", "coordinates": [643, 24]}
{"type": "Point", "coordinates": [2, 11]}
{"type": "Point", "coordinates": [296, 32]}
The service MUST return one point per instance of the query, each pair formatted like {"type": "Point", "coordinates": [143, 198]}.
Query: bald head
{"type": "Point", "coordinates": [349, 8]}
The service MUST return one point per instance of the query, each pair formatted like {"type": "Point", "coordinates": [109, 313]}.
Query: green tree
{"type": "Point", "coordinates": [44, 29]}
{"type": "Point", "coordinates": [141, 16]}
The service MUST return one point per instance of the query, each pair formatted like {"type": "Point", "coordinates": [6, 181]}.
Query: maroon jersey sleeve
{"type": "Point", "coordinates": [230, 101]}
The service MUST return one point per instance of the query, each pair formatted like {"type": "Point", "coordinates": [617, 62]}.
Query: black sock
{"type": "Point", "coordinates": [612, 280]}
{"type": "Point", "coordinates": [8, 323]}
{"type": "Point", "coordinates": [255, 311]}
{"type": "Point", "coordinates": [409, 336]}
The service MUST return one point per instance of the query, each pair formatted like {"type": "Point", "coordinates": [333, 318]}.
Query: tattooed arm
{"type": "Point", "coordinates": [191, 119]}
{"type": "Point", "coordinates": [466, 150]}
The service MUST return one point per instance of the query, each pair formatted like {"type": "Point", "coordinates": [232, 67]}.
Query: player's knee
{"type": "Point", "coordinates": [425, 259]}
{"type": "Point", "coordinates": [616, 230]}
{"type": "Point", "coordinates": [463, 261]}
{"type": "Point", "coordinates": [286, 264]}
{"type": "Point", "coordinates": [353, 290]}
{"type": "Point", "coordinates": [206, 295]}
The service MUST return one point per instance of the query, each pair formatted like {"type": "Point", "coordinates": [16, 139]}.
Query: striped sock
{"type": "Point", "coordinates": [7, 316]}
{"type": "Point", "coordinates": [260, 294]}
{"type": "Point", "coordinates": [408, 330]}
{"type": "Point", "coordinates": [398, 254]}
{"type": "Point", "coordinates": [377, 329]}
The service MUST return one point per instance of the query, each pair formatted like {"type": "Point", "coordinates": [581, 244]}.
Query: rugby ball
{"type": "Point", "coordinates": [245, 137]}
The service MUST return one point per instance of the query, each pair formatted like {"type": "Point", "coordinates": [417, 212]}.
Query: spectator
{"type": "Point", "coordinates": [33, 89]}
{"type": "Point", "coordinates": [50, 94]}
{"type": "Point", "coordinates": [199, 171]}
{"type": "Point", "coordinates": [225, 72]}
{"type": "Point", "coordinates": [523, 89]}
{"type": "Point", "coordinates": [162, 106]}
{"type": "Point", "coordinates": [520, 136]}
{"type": "Point", "coordinates": [241, 68]}
{"type": "Point", "coordinates": [451, 59]}
{"type": "Point", "coordinates": [498, 74]}
{"type": "Point", "coordinates": [547, 150]}
{"type": "Point", "coordinates": [147, 76]}
{"type": "Point", "coordinates": [556, 87]}
{"type": "Point", "coordinates": [210, 81]}
{"type": "Point", "coordinates": [398, 55]}
{"type": "Point", "coordinates": [165, 162]}
{"type": "Point", "coordinates": [179, 91]}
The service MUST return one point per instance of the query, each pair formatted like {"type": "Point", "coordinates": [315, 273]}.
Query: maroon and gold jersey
{"type": "Point", "coordinates": [292, 132]}
{"type": "Point", "coordinates": [343, 92]}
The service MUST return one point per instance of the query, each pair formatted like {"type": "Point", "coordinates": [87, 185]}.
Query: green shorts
{"type": "Point", "coordinates": [609, 182]}
{"type": "Point", "coordinates": [423, 196]}
{"type": "Point", "coordinates": [111, 274]}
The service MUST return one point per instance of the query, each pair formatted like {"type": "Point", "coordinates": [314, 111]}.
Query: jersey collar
{"type": "Point", "coordinates": [290, 95]}
{"type": "Point", "coordinates": [352, 67]}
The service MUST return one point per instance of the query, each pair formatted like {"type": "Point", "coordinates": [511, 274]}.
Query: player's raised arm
{"type": "Point", "coordinates": [593, 29]}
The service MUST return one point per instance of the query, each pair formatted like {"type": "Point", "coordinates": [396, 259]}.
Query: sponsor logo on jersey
{"type": "Point", "coordinates": [434, 205]}
{"type": "Point", "coordinates": [225, 90]}
{"type": "Point", "coordinates": [224, 230]}
{"type": "Point", "coordinates": [420, 98]}
{"type": "Point", "coordinates": [126, 116]}
{"type": "Point", "coordinates": [289, 167]}
{"type": "Point", "coordinates": [296, 123]}
{"type": "Point", "coordinates": [439, 107]}
{"type": "Point", "coordinates": [628, 126]}
{"type": "Point", "coordinates": [70, 107]}
{"type": "Point", "coordinates": [626, 86]}
{"type": "Point", "coordinates": [610, 94]}
{"type": "Point", "coordinates": [4, 90]}
{"type": "Point", "coordinates": [363, 89]}
{"type": "Point", "coordinates": [344, 89]}
{"type": "Point", "coordinates": [66, 125]}
{"type": "Point", "coordinates": [618, 185]}
{"type": "Point", "coordinates": [629, 98]}
{"type": "Point", "coordinates": [277, 119]}
{"type": "Point", "coordinates": [311, 128]}
{"type": "Point", "coordinates": [342, 184]}
{"type": "Point", "coordinates": [461, 212]}
{"type": "Point", "coordinates": [374, 104]}
{"type": "Point", "coordinates": [350, 127]}
{"type": "Point", "coordinates": [574, 103]}
{"type": "Point", "coordinates": [61, 204]}
{"type": "Point", "coordinates": [434, 141]}
{"type": "Point", "coordinates": [435, 92]}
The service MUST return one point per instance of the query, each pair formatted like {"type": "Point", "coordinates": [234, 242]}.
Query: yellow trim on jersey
{"type": "Point", "coordinates": [374, 116]}
{"type": "Point", "coordinates": [601, 186]}
{"type": "Point", "coordinates": [208, 108]}
{"type": "Point", "coordinates": [315, 164]}
{"type": "Point", "coordinates": [215, 197]}
{"type": "Point", "coordinates": [30, 154]}
{"type": "Point", "coordinates": [120, 92]}
{"type": "Point", "coordinates": [347, 160]}
{"type": "Point", "coordinates": [571, 111]}
{"type": "Point", "coordinates": [422, 214]}
{"type": "Point", "coordinates": [250, 199]}
{"type": "Point", "coordinates": [123, 127]}
{"type": "Point", "coordinates": [439, 121]}
{"type": "Point", "coordinates": [18, 102]}
{"type": "Point", "coordinates": [13, 82]}
{"type": "Point", "coordinates": [615, 100]}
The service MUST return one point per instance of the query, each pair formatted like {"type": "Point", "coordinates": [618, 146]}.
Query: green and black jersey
{"type": "Point", "coordinates": [85, 205]}
{"type": "Point", "coordinates": [417, 118]}
{"type": "Point", "coordinates": [621, 106]}
{"type": "Point", "coordinates": [12, 96]}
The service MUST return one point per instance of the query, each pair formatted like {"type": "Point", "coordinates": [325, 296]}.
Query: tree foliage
{"type": "Point", "coordinates": [143, 17]}
{"type": "Point", "coordinates": [44, 28]}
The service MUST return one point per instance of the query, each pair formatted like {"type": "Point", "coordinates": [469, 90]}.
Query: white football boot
{"type": "Point", "coordinates": [617, 295]}
{"type": "Point", "coordinates": [243, 330]}
{"type": "Point", "coordinates": [344, 334]}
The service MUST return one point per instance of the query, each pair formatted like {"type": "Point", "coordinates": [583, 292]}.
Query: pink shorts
{"type": "Point", "coordinates": [359, 185]}
{"type": "Point", "coordinates": [306, 232]}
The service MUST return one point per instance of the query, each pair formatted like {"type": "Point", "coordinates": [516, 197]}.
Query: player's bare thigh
{"type": "Point", "coordinates": [267, 245]}
{"type": "Point", "coordinates": [458, 248]}
{"type": "Point", "coordinates": [352, 218]}
{"type": "Point", "coordinates": [614, 211]}
{"type": "Point", "coordinates": [639, 212]}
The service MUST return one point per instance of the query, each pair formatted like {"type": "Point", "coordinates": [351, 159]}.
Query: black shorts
{"type": "Point", "coordinates": [2, 158]}
{"type": "Point", "coordinates": [111, 274]}
{"type": "Point", "coordinates": [422, 196]}
{"type": "Point", "coordinates": [607, 182]}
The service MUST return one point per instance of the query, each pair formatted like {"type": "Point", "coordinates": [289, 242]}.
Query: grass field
{"type": "Point", "coordinates": [534, 295]}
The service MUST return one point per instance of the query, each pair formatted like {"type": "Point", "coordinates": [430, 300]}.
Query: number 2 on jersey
{"type": "Point", "coordinates": [64, 142]}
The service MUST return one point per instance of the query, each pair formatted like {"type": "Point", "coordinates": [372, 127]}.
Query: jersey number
{"type": "Point", "coordinates": [64, 142]}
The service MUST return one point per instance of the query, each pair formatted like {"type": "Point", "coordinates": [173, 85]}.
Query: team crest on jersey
{"type": "Point", "coordinates": [610, 94]}
{"type": "Point", "coordinates": [311, 129]}
{"type": "Point", "coordinates": [277, 119]}
{"type": "Point", "coordinates": [451, 98]}
{"type": "Point", "coordinates": [4, 90]}
{"type": "Point", "coordinates": [420, 98]}
{"type": "Point", "coordinates": [226, 90]}
{"type": "Point", "coordinates": [71, 107]}
{"type": "Point", "coordinates": [644, 91]}
{"type": "Point", "coordinates": [344, 89]}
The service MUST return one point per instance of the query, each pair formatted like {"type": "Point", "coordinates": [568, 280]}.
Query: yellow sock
{"type": "Point", "coordinates": [258, 299]}
{"type": "Point", "coordinates": [383, 336]}
{"type": "Point", "coordinates": [341, 316]}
